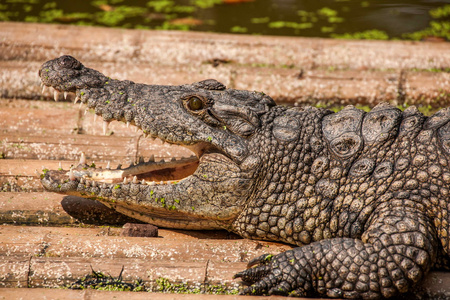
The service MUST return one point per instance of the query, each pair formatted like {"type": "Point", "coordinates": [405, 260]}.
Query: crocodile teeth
{"type": "Point", "coordinates": [82, 180]}
{"type": "Point", "coordinates": [105, 127]}
{"type": "Point", "coordinates": [82, 159]}
{"type": "Point", "coordinates": [65, 95]}
{"type": "Point", "coordinates": [56, 95]}
{"type": "Point", "coordinates": [135, 180]}
{"type": "Point", "coordinates": [76, 100]}
{"type": "Point", "coordinates": [44, 88]}
{"type": "Point", "coordinates": [60, 166]}
{"type": "Point", "coordinates": [152, 183]}
{"type": "Point", "coordinates": [128, 124]}
{"type": "Point", "coordinates": [104, 186]}
{"type": "Point", "coordinates": [94, 183]}
{"type": "Point", "coordinates": [125, 180]}
{"type": "Point", "coordinates": [71, 176]}
{"type": "Point", "coordinates": [108, 165]}
{"type": "Point", "coordinates": [152, 158]}
{"type": "Point", "coordinates": [143, 181]}
{"type": "Point", "coordinates": [88, 183]}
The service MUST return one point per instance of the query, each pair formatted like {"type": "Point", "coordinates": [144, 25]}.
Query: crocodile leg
{"type": "Point", "coordinates": [395, 252]}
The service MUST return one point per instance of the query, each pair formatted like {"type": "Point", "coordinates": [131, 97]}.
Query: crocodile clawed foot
{"type": "Point", "coordinates": [280, 274]}
{"type": "Point", "coordinates": [270, 282]}
{"type": "Point", "coordinates": [261, 277]}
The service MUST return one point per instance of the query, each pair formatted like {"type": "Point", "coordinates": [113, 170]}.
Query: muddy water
{"type": "Point", "coordinates": [379, 19]}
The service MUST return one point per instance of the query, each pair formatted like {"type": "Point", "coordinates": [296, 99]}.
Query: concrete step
{"type": "Point", "coordinates": [290, 69]}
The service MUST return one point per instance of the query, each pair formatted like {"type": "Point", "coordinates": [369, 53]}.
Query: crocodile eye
{"type": "Point", "coordinates": [69, 62]}
{"type": "Point", "coordinates": [195, 103]}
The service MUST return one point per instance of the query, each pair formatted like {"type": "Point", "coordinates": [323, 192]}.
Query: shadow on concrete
{"type": "Point", "coordinates": [93, 212]}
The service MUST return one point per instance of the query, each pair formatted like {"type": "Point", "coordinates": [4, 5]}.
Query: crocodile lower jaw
{"type": "Point", "coordinates": [149, 173]}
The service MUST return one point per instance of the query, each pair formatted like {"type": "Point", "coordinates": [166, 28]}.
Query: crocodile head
{"type": "Point", "coordinates": [222, 127]}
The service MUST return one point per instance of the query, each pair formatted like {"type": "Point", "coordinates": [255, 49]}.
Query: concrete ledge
{"type": "Point", "coordinates": [290, 69]}
{"type": "Point", "coordinates": [53, 257]}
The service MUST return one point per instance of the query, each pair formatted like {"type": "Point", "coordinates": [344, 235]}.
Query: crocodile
{"type": "Point", "coordinates": [364, 195]}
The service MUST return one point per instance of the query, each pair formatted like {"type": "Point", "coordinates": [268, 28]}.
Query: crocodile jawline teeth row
{"type": "Point", "coordinates": [128, 174]}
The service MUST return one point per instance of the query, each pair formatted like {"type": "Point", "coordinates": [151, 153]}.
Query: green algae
{"type": "Point", "coordinates": [373, 34]}
{"type": "Point", "coordinates": [98, 280]}
{"type": "Point", "coordinates": [439, 27]}
{"type": "Point", "coordinates": [239, 29]}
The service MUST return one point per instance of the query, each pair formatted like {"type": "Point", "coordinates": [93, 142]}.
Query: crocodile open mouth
{"type": "Point", "coordinates": [145, 171]}
{"type": "Point", "coordinates": [150, 172]}
{"type": "Point", "coordinates": [203, 191]}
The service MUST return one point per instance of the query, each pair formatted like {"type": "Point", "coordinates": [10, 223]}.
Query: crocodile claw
{"type": "Point", "coordinates": [275, 275]}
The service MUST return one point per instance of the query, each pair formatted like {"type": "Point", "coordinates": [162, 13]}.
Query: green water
{"type": "Point", "coordinates": [380, 19]}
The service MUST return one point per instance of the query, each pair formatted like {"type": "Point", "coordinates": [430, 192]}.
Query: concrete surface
{"type": "Point", "coordinates": [290, 69]}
